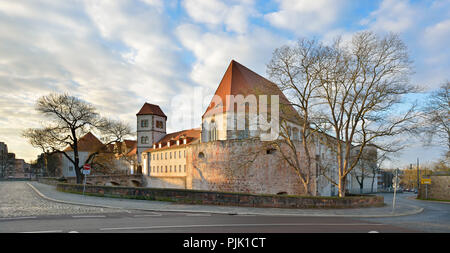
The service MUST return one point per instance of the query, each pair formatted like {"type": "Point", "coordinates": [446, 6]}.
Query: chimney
{"type": "Point", "coordinates": [160, 145]}
{"type": "Point", "coordinates": [184, 141]}
{"type": "Point", "coordinates": [178, 142]}
{"type": "Point", "coordinates": [154, 146]}
{"type": "Point", "coordinates": [168, 144]}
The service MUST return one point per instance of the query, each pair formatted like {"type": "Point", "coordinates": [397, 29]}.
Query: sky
{"type": "Point", "coordinates": [117, 55]}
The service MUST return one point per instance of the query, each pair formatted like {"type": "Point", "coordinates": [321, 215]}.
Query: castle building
{"type": "Point", "coordinates": [221, 156]}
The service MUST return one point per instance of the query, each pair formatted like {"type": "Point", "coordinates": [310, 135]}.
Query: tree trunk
{"type": "Point", "coordinates": [342, 187]}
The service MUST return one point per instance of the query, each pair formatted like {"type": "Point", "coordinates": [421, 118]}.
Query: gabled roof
{"type": "Point", "coordinates": [151, 109]}
{"type": "Point", "coordinates": [239, 80]}
{"type": "Point", "coordinates": [88, 143]}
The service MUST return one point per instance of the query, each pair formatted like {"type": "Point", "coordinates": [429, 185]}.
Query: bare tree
{"type": "Point", "coordinates": [69, 119]}
{"type": "Point", "coordinates": [437, 117]}
{"type": "Point", "coordinates": [296, 70]}
{"type": "Point", "coordinates": [354, 91]}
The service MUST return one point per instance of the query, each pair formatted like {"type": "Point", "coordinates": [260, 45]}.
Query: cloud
{"type": "Point", "coordinates": [113, 54]}
{"type": "Point", "coordinates": [302, 16]}
{"type": "Point", "coordinates": [233, 15]}
{"type": "Point", "coordinates": [214, 51]}
{"type": "Point", "coordinates": [392, 16]}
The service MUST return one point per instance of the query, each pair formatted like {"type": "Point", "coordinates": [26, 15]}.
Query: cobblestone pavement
{"type": "Point", "coordinates": [17, 199]}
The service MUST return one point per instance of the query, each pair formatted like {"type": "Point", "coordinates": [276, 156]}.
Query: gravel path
{"type": "Point", "coordinates": [17, 199]}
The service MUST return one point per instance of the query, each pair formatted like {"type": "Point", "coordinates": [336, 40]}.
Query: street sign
{"type": "Point", "coordinates": [425, 180]}
{"type": "Point", "coordinates": [87, 169]}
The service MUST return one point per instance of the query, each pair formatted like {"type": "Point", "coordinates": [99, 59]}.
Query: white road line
{"type": "Point", "coordinates": [198, 214]}
{"type": "Point", "coordinates": [89, 216]}
{"type": "Point", "coordinates": [18, 218]}
{"type": "Point", "coordinates": [49, 231]}
{"type": "Point", "coordinates": [147, 215]}
{"type": "Point", "coordinates": [243, 225]}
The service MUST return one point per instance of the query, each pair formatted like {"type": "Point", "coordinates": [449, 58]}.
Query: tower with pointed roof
{"type": "Point", "coordinates": [151, 127]}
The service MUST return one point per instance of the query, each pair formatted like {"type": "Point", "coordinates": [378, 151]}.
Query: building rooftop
{"type": "Point", "coordinates": [239, 80]}
{"type": "Point", "coordinates": [151, 109]}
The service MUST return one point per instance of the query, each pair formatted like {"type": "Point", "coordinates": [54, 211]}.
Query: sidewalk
{"type": "Point", "coordinates": [50, 193]}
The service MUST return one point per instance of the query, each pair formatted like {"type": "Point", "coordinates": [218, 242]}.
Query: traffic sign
{"type": "Point", "coordinates": [425, 180]}
{"type": "Point", "coordinates": [87, 169]}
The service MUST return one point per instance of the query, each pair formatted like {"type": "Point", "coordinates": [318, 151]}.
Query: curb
{"type": "Point", "coordinates": [229, 213]}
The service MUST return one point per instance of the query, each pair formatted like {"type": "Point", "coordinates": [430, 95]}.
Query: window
{"type": "Point", "coordinates": [170, 155]}
{"type": "Point", "coordinates": [144, 139]}
{"type": "Point", "coordinates": [166, 155]}
{"type": "Point", "coordinates": [185, 168]}
{"type": "Point", "coordinates": [175, 155]}
{"type": "Point", "coordinates": [170, 168]}
{"type": "Point", "coordinates": [157, 168]}
{"type": "Point", "coordinates": [179, 168]}
{"type": "Point", "coordinates": [153, 156]}
{"type": "Point", "coordinates": [166, 168]}
{"type": "Point", "coordinates": [157, 156]}
{"type": "Point", "coordinates": [144, 123]}
{"type": "Point", "coordinates": [185, 154]}
{"type": "Point", "coordinates": [159, 124]}
{"type": "Point", "coordinates": [70, 168]}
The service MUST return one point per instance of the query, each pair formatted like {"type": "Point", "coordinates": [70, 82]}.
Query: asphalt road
{"type": "Point", "coordinates": [435, 217]}
{"type": "Point", "coordinates": [160, 222]}
{"type": "Point", "coordinates": [23, 211]}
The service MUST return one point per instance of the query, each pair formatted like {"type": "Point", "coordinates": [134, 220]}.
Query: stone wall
{"type": "Point", "coordinates": [110, 180]}
{"type": "Point", "coordinates": [247, 166]}
{"type": "Point", "coordinates": [438, 189]}
{"type": "Point", "coordinates": [224, 198]}
{"type": "Point", "coordinates": [175, 182]}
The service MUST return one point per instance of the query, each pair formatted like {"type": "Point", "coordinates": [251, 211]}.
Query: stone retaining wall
{"type": "Point", "coordinates": [223, 198]}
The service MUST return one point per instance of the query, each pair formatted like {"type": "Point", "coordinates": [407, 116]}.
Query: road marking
{"type": "Point", "coordinates": [244, 225]}
{"type": "Point", "coordinates": [198, 214]}
{"type": "Point", "coordinates": [18, 218]}
{"type": "Point", "coordinates": [49, 231]}
{"type": "Point", "coordinates": [89, 216]}
{"type": "Point", "coordinates": [147, 215]}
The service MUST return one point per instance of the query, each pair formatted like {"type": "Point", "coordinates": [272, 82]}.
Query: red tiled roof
{"type": "Point", "coordinates": [88, 143]}
{"type": "Point", "coordinates": [239, 80]}
{"type": "Point", "coordinates": [151, 109]}
{"type": "Point", "coordinates": [190, 135]}
{"type": "Point", "coordinates": [130, 143]}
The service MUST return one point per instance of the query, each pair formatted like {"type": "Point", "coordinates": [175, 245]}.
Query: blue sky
{"type": "Point", "coordinates": [119, 54]}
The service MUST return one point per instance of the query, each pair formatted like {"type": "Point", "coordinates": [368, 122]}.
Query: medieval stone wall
{"type": "Point", "coordinates": [247, 166]}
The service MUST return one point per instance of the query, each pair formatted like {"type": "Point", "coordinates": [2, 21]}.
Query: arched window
{"type": "Point", "coordinates": [213, 131]}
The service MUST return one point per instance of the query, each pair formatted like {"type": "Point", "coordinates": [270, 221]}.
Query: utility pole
{"type": "Point", "coordinates": [418, 176]}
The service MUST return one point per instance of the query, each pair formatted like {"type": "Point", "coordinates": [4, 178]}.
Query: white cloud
{"type": "Point", "coordinates": [392, 16]}
{"type": "Point", "coordinates": [302, 16]}
{"type": "Point", "coordinates": [112, 54]}
{"type": "Point", "coordinates": [214, 51]}
{"type": "Point", "coordinates": [437, 35]}
{"type": "Point", "coordinates": [215, 13]}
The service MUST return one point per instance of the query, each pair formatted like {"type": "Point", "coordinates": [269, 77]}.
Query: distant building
{"type": "Point", "coordinates": [108, 159]}
{"type": "Point", "coordinates": [10, 167]}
